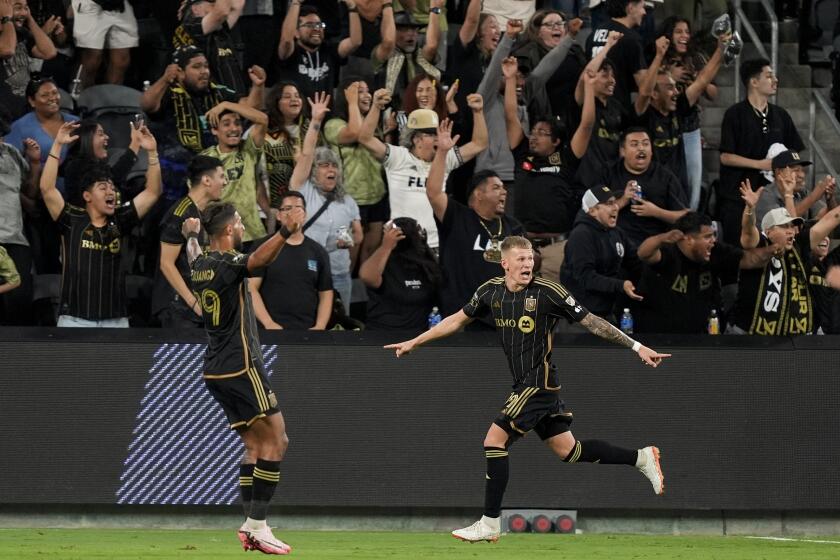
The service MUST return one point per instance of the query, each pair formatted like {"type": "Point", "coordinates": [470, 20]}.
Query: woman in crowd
{"type": "Point", "coordinates": [402, 278]}
{"type": "Point", "coordinates": [92, 147]}
{"type": "Point", "coordinates": [287, 125]}
{"type": "Point", "coordinates": [472, 50]}
{"type": "Point", "coordinates": [334, 219]}
{"type": "Point", "coordinates": [424, 92]}
{"type": "Point", "coordinates": [43, 121]}
{"type": "Point", "coordinates": [683, 60]}
{"type": "Point", "coordinates": [362, 172]}
{"type": "Point", "coordinates": [546, 30]}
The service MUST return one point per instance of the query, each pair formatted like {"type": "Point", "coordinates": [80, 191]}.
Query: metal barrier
{"type": "Point", "coordinates": [819, 154]}
{"type": "Point", "coordinates": [741, 20]}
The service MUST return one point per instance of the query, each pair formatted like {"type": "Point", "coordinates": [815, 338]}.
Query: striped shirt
{"type": "Point", "coordinates": [92, 284]}
{"type": "Point", "coordinates": [525, 321]}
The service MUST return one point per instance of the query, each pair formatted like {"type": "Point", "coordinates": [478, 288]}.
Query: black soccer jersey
{"type": "Point", "coordinates": [220, 284]}
{"type": "Point", "coordinates": [170, 233]}
{"type": "Point", "coordinates": [525, 321]}
{"type": "Point", "coordinates": [92, 286]}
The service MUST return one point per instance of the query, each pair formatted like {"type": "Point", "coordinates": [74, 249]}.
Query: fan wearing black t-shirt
{"type": "Point", "coordinates": [295, 291]}
{"type": "Point", "coordinates": [304, 56]}
{"type": "Point", "coordinates": [748, 130]}
{"type": "Point", "coordinates": [173, 301]}
{"type": "Point", "coordinates": [681, 283]}
{"type": "Point", "coordinates": [663, 200]}
{"type": "Point", "coordinates": [662, 109]}
{"type": "Point", "coordinates": [92, 286]}
{"type": "Point", "coordinates": [470, 236]}
{"type": "Point", "coordinates": [525, 311]}
{"type": "Point", "coordinates": [546, 199]}
{"type": "Point", "coordinates": [627, 57]}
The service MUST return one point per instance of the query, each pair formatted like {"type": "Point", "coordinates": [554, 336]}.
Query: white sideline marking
{"type": "Point", "coordinates": [785, 539]}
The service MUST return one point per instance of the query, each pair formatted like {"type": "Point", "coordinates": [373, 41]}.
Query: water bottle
{"type": "Point", "coordinates": [343, 234]}
{"type": "Point", "coordinates": [76, 85]}
{"type": "Point", "coordinates": [146, 85]}
{"type": "Point", "coordinates": [714, 323]}
{"type": "Point", "coordinates": [434, 317]}
{"type": "Point", "coordinates": [626, 322]}
{"type": "Point", "coordinates": [638, 195]}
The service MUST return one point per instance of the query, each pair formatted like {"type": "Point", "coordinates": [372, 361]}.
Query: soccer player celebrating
{"type": "Point", "coordinates": [526, 310]}
{"type": "Point", "coordinates": [234, 372]}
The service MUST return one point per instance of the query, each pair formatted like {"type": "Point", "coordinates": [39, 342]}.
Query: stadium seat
{"type": "Point", "coordinates": [66, 102]}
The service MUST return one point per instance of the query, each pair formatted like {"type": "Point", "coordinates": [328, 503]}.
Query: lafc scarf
{"type": "Point", "coordinates": [783, 303]}
{"type": "Point", "coordinates": [395, 65]}
{"type": "Point", "coordinates": [187, 119]}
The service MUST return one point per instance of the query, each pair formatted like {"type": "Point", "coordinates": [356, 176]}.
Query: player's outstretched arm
{"type": "Point", "coordinates": [601, 327]}
{"type": "Point", "coordinates": [448, 326]}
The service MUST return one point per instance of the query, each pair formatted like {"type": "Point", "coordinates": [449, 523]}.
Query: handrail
{"type": "Point", "coordinates": [742, 20]}
{"type": "Point", "coordinates": [817, 98]}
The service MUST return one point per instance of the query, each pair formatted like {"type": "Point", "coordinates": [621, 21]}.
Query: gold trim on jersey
{"type": "Point", "coordinates": [225, 375]}
{"type": "Point", "coordinates": [247, 423]}
{"type": "Point", "coordinates": [513, 409]}
{"type": "Point", "coordinates": [547, 365]}
{"type": "Point", "coordinates": [242, 321]}
{"type": "Point", "coordinates": [182, 206]}
{"type": "Point", "coordinates": [512, 425]}
{"type": "Point", "coordinates": [259, 390]}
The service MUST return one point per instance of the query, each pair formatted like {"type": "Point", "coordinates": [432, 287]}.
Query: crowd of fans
{"type": "Point", "coordinates": [416, 135]}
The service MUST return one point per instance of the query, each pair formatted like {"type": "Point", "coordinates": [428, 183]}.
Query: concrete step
{"type": "Point", "coordinates": [788, 74]}
{"type": "Point", "coordinates": [788, 52]}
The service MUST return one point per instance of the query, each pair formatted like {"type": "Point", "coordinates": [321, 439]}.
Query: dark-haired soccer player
{"type": "Point", "coordinates": [234, 372]}
{"type": "Point", "coordinates": [92, 286]}
{"type": "Point", "coordinates": [173, 301]}
{"type": "Point", "coordinates": [526, 310]}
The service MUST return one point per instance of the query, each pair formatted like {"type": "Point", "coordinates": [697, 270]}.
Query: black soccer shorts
{"type": "Point", "coordinates": [532, 408]}
{"type": "Point", "coordinates": [245, 398]}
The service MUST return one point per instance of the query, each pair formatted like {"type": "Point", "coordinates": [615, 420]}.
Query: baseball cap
{"type": "Point", "coordinates": [183, 55]}
{"type": "Point", "coordinates": [597, 195]}
{"type": "Point", "coordinates": [424, 120]}
{"type": "Point", "coordinates": [788, 158]}
{"type": "Point", "coordinates": [404, 19]}
{"type": "Point", "coordinates": [778, 217]}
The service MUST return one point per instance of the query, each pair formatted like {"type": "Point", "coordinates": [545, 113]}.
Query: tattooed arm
{"type": "Point", "coordinates": [601, 327]}
{"type": "Point", "coordinates": [190, 229]}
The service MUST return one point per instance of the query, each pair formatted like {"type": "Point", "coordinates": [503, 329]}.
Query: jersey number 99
{"type": "Point", "coordinates": [211, 304]}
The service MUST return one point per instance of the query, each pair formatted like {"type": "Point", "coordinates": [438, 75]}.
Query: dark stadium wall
{"type": "Point", "coordinates": [105, 417]}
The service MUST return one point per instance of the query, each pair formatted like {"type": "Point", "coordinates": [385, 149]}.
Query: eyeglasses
{"type": "Point", "coordinates": [290, 208]}
{"type": "Point", "coordinates": [554, 24]}
{"type": "Point", "coordinates": [313, 25]}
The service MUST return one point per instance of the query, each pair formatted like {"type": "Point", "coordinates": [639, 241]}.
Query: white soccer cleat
{"type": "Point", "coordinates": [263, 540]}
{"type": "Point", "coordinates": [482, 530]}
{"type": "Point", "coordinates": [651, 469]}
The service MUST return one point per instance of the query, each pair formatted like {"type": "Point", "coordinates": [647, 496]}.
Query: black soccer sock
{"type": "Point", "coordinates": [266, 477]}
{"type": "Point", "coordinates": [497, 479]}
{"type": "Point", "coordinates": [597, 451]}
{"type": "Point", "coordinates": [246, 486]}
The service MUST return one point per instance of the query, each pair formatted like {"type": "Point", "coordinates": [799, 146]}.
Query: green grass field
{"type": "Point", "coordinates": [85, 544]}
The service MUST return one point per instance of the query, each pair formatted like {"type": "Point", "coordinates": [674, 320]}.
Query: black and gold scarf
{"type": "Point", "coordinates": [783, 305]}
{"type": "Point", "coordinates": [188, 118]}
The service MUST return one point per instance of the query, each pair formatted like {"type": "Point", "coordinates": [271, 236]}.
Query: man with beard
{"type": "Point", "coordinates": [525, 311]}
{"type": "Point", "coordinates": [240, 158]}
{"type": "Point", "coordinates": [788, 190]}
{"type": "Point", "coordinates": [173, 301]}
{"type": "Point", "coordinates": [662, 109]}
{"type": "Point", "coordinates": [470, 236]}
{"type": "Point", "coordinates": [775, 299]}
{"type": "Point", "coordinates": [234, 372]}
{"type": "Point", "coordinates": [92, 285]}
{"type": "Point", "coordinates": [653, 196]}
{"type": "Point", "coordinates": [596, 253]}
{"type": "Point", "coordinates": [407, 60]}
{"type": "Point", "coordinates": [20, 39]}
{"type": "Point", "coordinates": [305, 58]}
{"type": "Point", "coordinates": [686, 266]}
{"type": "Point", "coordinates": [177, 105]}
{"type": "Point", "coordinates": [208, 25]}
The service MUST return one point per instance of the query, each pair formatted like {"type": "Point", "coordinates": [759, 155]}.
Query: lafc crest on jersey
{"type": "Point", "coordinates": [530, 304]}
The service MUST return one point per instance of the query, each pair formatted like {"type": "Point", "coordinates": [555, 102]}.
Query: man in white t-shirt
{"type": "Point", "coordinates": [407, 166]}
